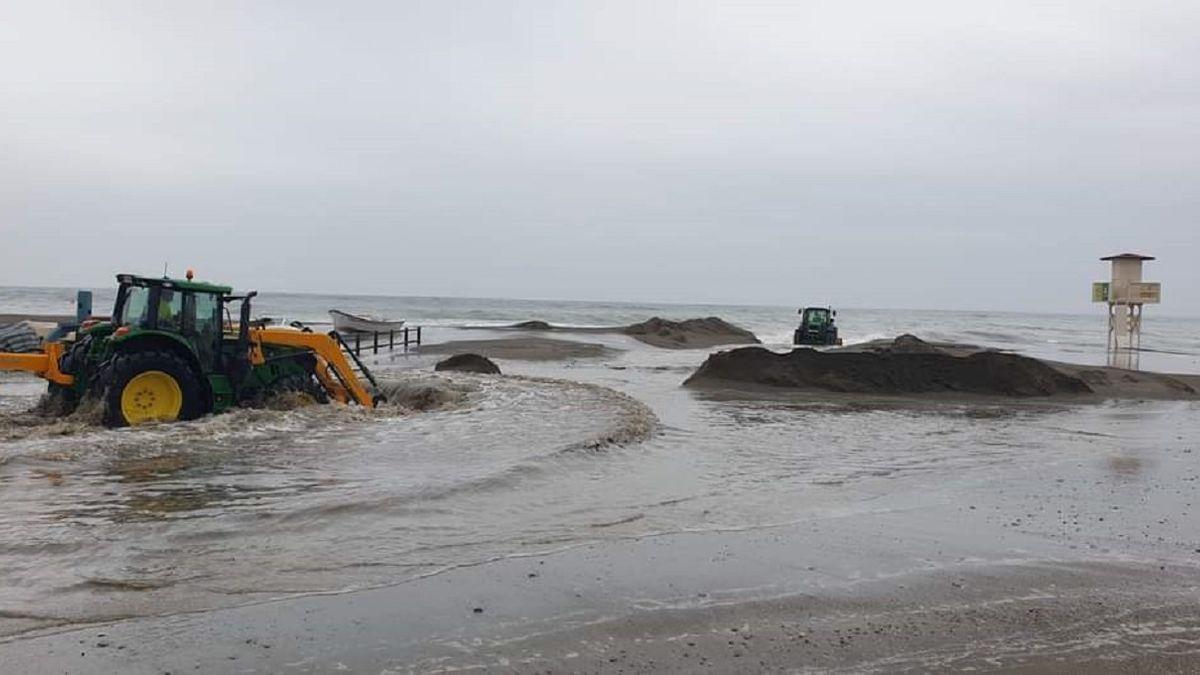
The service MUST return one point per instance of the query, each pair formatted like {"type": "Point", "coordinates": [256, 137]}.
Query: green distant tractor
{"type": "Point", "coordinates": [171, 351]}
{"type": "Point", "coordinates": [817, 327]}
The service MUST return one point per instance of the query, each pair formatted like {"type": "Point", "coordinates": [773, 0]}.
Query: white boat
{"type": "Point", "coordinates": [345, 322]}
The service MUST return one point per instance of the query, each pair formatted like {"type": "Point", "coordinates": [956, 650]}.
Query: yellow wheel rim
{"type": "Point", "coordinates": [151, 396]}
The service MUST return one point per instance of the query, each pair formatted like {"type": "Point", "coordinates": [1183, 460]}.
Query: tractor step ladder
{"type": "Point", "coordinates": [356, 363]}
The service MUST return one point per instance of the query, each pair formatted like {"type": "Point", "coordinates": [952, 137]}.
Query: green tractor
{"type": "Point", "coordinates": [817, 327]}
{"type": "Point", "coordinates": [172, 351]}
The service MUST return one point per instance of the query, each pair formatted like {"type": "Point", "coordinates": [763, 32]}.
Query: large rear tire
{"type": "Point", "coordinates": [150, 386]}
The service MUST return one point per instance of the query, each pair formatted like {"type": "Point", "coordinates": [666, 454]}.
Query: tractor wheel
{"type": "Point", "coordinates": [150, 386]}
{"type": "Point", "coordinates": [59, 401]}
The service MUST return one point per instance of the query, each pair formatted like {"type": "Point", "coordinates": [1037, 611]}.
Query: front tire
{"type": "Point", "coordinates": [150, 386]}
{"type": "Point", "coordinates": [59, 401]}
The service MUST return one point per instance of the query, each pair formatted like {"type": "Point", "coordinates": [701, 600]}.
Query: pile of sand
{"type": "Point", "coordinates": [468, 363]}
{"type": "Point", "coordinates": [532, 325]}
{"type": "Point", "coordinates": [659, 332]}
{"type": "Point", "coordinates": [911, 366]}
{"type": "Point", "coordinates": [689, 334]}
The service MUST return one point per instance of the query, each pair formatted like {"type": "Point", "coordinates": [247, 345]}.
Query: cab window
{"type": "Point", "coordinates": [208, 319]}
{"type": "Point", "coordinates": [170, 309]}
{"type": "Point", "coordinates": [136, 309]}
{"type": "Point", "coordinates": [203, 323]}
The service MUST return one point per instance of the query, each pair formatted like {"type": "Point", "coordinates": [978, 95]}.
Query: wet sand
{"type": "Point", "coordinates": [813, 595]}
{"type": "Point", "coordinates": [522, 349]}
{"type": "Point", "coordinates": [1041, 618]}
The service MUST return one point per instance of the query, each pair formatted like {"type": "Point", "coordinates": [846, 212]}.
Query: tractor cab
{"type": "Point", "coordinates": [186, 311]}
{"type": "Point", "coordinates": [817, 327]}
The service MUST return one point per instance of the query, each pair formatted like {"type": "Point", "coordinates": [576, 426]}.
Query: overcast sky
{"type": "Point", "coordinates": [941, 155]}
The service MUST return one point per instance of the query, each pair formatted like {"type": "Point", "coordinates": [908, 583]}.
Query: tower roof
{"type": "Point", "coordinates": [1128, 256]}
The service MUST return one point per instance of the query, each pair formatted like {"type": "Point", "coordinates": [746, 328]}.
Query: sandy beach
{"type": "Point", "coordinates": [954, 579]}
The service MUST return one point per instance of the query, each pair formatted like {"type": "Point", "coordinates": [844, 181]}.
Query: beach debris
{"type": "Point", "coordinates": [21, 337]}
{"type": "Point", "coordinates": [468, 363]}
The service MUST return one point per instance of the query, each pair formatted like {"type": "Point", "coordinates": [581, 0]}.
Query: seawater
{"type": "Point", "coordinates": [260, 504]}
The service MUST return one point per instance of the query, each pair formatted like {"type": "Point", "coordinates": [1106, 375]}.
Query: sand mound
{"type": "Point", "coordinates": [689, 334]}
{"type": "Point", "coordinates": [532, 325]}
{"type": "Point", "coordinates": [659, 332]}
{"type": "Point", "coordinates": [910, 369]}
{"type": "Point", "coordinates": [911, 344]}
{"type": "Point", "coordinates": [1120, 383]}
{"type": "Point", "coordinates": [469, 363]}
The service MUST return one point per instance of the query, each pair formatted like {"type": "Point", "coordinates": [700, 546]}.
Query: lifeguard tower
{"type": "Point", "coordinates": [1125, 294]}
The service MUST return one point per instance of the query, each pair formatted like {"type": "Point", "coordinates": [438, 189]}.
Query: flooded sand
{"type": "Point", "coordinates": [101, 524]}
{"type": "Point", "coordinates": [579, 500]}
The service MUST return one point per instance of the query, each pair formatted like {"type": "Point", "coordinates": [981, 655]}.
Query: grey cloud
{"type": "Point", "coordinates": [956, 155]}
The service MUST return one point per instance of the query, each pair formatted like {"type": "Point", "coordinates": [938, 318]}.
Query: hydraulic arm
{"type": "Point", "coordinates": [43, 364]}
{"type": "Point", "coordinates": [333, 368]}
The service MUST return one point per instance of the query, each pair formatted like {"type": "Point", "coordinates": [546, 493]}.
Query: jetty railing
{"type": "Point", "coordinates": [404, 337]}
